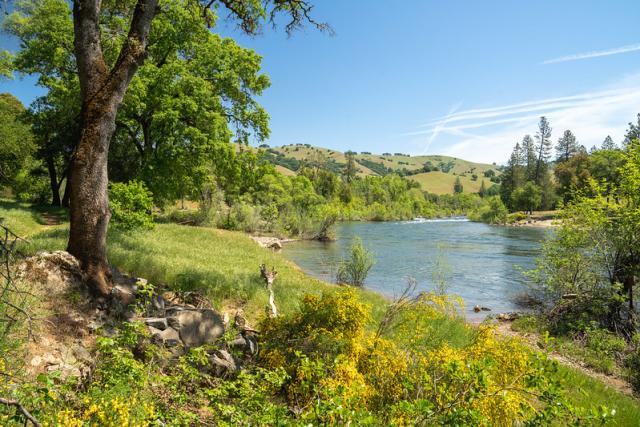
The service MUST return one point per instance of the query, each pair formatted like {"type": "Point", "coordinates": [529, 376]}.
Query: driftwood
{"type": "Point", "coordinates": [269, 277]}
{"type": "Point", "coordinates": [22, 409]}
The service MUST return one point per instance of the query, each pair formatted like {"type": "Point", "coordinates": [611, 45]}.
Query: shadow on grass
{"type": "Point", "coordinates": [177, 270]}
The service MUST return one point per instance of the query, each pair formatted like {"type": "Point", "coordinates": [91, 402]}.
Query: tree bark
{"type": "Point", "coordinates": [102, 91]}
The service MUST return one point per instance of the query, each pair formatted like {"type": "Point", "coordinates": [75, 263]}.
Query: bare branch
{"type": "Point", "coordinates": [22, 409]}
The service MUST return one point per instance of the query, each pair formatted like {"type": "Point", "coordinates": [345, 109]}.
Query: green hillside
{"type": "Point", "coordinates": [435, 173]}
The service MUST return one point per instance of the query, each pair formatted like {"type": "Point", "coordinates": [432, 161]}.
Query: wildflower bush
{"type": "Point", "coordinates": [338, 372]}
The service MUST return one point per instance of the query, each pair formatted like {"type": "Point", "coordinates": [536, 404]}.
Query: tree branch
{"type": "Point", "coordinates": [22, 409]}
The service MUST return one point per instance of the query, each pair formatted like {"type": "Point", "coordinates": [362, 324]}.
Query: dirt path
{"type": "Point", "coordinates": [50, 219]}
{"type": "Point", "coordinates": [613, 381]}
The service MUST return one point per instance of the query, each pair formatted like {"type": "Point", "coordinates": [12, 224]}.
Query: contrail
{"type": "Point", "coordinates": [594, 54]}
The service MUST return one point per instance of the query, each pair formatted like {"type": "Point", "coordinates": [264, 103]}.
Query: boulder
{"type": "Point", "coordinates": [197, 327]}
{"type": "Point", "coordinates": [168, 337]}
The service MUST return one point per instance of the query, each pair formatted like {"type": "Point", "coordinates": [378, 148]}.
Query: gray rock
{"type": "Point", "coordinates": [157, 322]}
{"type": "Point", "coordinates": [246, 343]}
{"type": "Point", "coordinates": [223, 363]}
{"type": "Point", "coordinates": [81, 353]}
{"type": "Point", "coordinates": [197, 327]}
{"type": "Point", "coordinates": [168, 337]}
{"type": "Point", "coordinates": [157, 303]}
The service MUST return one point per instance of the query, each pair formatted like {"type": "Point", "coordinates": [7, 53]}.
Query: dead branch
{"type": "Point", "coordinates": [22, 409]}
{"type": "Point", "coordinates": [269, 277]}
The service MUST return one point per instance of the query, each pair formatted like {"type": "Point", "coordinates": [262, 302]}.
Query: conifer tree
{"type": "Point", "coordinates": [529, 149]}
{"type": "Point", "coordinates": [608, 144]}
{"type": "Point", "coordinates": [457, 186]}
{"type": "Point", "coordinates": [543, 147]}
{"type": "Point", "coordinates": [566, 147]}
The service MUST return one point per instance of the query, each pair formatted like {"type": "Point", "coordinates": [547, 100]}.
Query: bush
{"type": "Point", "coordinates": [325, 217]}
{"type": "Point", "coordinates": [516, 217]}
{"type": "Point", "coordinates": [31, 183]}
{"type": "Point", "coordinates": [492, 212]}
{"type": "Point", "coordinates": [354, 270]}
{"type": "Point", "coordinates": [243, 217]}
{"type": "Point", "coordinates": [131, 205]}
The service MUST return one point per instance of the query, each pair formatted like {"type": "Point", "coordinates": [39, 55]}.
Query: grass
{"type": "Point", "coordinates": [26, 219]}
{"type": "Point", "coordinates": [442, 183]}
{"type": "Point", "coordinates": [584, 391]}
{"type": "Point", "coordinates": [224, 266]}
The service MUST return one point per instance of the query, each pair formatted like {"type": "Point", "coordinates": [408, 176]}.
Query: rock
{"type": "Point", "coordinates": [124, 292]}
{"type": "Point", "coordinates": [157, 322]}
{"type": "Point", "coordinates": [275, 245]}
{"type": "Point", "coordinates": [197, 327]}
{"type": "Point", "coordinates": [168, 337]}
{"type": "Point", "coordinates": [157, 303]}
{"type": "Point", "coordinates": [223, 363]}
{"type": "Point", "coordinates": [81, 353]}
{"type": "Point", "coordinates": [507, 317]}
{"type": "Point", "coordinates": [268, 242]}
{"type": "Point", "coordinates": [247, 343]}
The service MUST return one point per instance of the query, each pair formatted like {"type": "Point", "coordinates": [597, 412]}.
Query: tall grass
{"type": "Point", "coordinates": [355, 269]}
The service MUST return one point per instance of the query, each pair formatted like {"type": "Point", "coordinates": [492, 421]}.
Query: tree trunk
{"type": "Point", "coordinates": [88, 194]}
{"type": "Point", "coordinates": [102, 90]}
{"type": "Point", "coordinates": [53, 182]}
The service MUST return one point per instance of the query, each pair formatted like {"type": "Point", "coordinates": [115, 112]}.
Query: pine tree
{"type": "Point", "coordinates": [513, 177]}
{"type": "Point", "coordinates": [633, 132]}
{"type": "Point", "coordinates": [566, 147]}
{"type": "Point", "coordinates": [543, 147]}
{"type": "Point", "coordinates": [608, 144]}
{"type": "Point", "coordinates": [529, 149]}
{"type": "Point", "coordinates": [350, 169]}
{"type": "Point", "coordinates": [457, 186]}
{"type": "Point", "coordinates": [483, 190]}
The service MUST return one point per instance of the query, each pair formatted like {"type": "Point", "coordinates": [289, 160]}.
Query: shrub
{"type": "Point", "coordinates": [516, 217]}
{"type": "Point", "coordinates": [354, 270]}
{"type": "Point", "coordinates": [131, 205]}
{"type": "Point", "coordinates": [325, 217]}
{"type": "Point", "coordinates": [492, 212]}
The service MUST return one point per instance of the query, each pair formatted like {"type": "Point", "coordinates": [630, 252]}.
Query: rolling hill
{"type": "Point", "coordinates": [435, 173]}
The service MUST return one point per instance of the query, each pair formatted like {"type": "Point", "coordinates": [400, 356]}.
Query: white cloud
{"type": "Point", "coordinates": [594, 54]}
{"type": "Point", "coordinates": [489, 134]}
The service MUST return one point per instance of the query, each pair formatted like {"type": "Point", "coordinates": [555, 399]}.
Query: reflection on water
{"type": "Point", "coordinates": [485, 262]}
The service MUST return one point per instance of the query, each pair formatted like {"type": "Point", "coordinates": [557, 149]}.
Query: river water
{"type": "Point", "coordinates": [482, 263]}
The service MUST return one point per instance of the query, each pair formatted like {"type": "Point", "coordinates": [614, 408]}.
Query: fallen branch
{"type": "Point", "coordinates": [19, 407]}
{"type": "Point", "coordinates": [269, 277]}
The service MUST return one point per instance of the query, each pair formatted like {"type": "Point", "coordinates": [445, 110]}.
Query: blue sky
{"type": "Point", "coordinates": [464, 78]}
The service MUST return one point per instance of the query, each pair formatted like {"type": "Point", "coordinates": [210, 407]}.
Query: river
{"type": "Point", "coordinates": [482, 263]}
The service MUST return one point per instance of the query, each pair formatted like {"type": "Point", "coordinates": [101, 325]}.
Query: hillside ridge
{"type": "Point", "coordinates": [435, 173]}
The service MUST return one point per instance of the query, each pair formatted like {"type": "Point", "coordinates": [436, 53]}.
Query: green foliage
{"type": "Point", "coordinates": [528, 197]}
{"type": "Point", "coordinates": [17, 148]}
{"type": "Point", "coordinates": [457, 186]}
{"type": "Point", "coordinates": [354, 270]}
{"type": "Point", "coordinates": [492, 211]}
{"type": "Point", "coordinates": [131, 205]}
